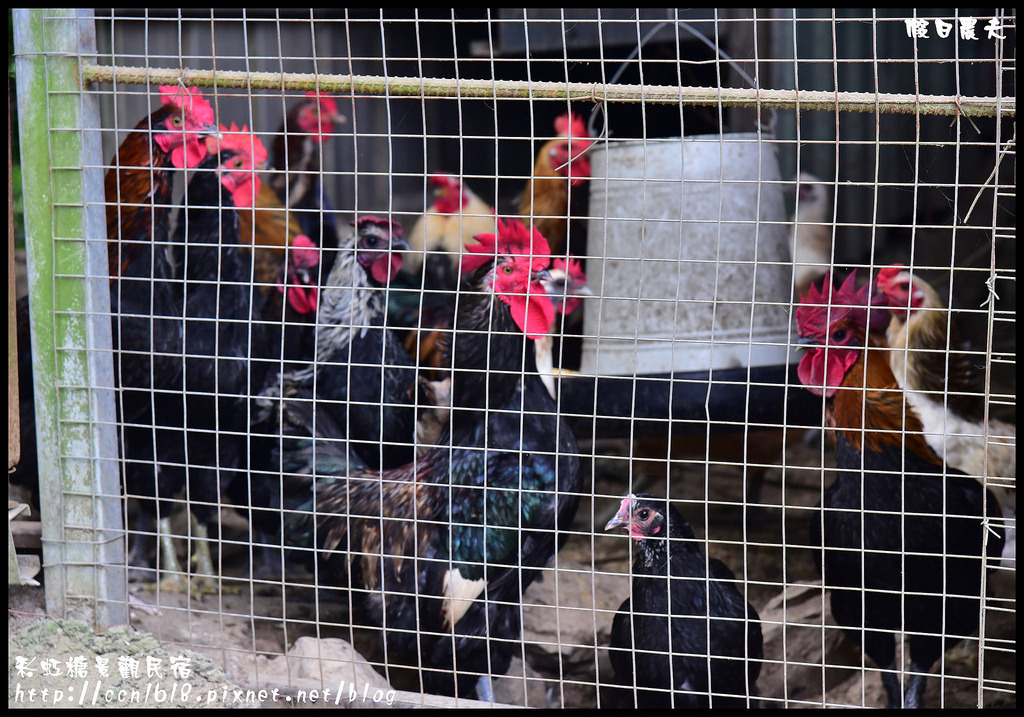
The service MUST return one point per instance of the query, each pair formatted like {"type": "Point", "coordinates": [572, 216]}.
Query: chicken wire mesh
{"type": "Point", "coordinates": [720, 164]}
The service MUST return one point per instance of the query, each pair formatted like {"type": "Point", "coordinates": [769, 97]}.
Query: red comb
{"type": "Point", "coordinates": [394, 227]}
{"type": "Point", "coordinates": [571, 266]}
{"type": "Point", "coordinates": [328, 105]}
{"type": "Point", "coordinates": [575, 284]}
{"type": "Point", "coordinates": [443, 179]}
{"type": "Point", "coordinates": [885, 276]}
{"type": "Point", "coordinates": [483, 251]}
{"type": "Point", "coordinates": [512, 239]}
{"type": "Point", "coordinates": [822, 308]}
{"type": "Point", "coordinates": [189, 99]}
{"type": "Point", "coordinates": [572, 269]}
{"type": "Point", "coordinates": [304, 251]}
{"type": "Point", "coordinates": [243, 142]}
{"type": "Point", "coordinates": [449, 196]}
{"type": "Point", "coordinates": [571, 125]}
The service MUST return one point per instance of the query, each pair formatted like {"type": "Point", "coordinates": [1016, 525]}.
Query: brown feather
{"type": "Point", "coordinates": [129, 185]}
{"type": "Point", "coordinates": [546, 200]}
{"type": "Point", "coordinates": [275, 228]}
{"type": "Point", "coordinates": [404, 495]}
{"type": "Point", "coordinates": [274, 225]}
{"type": "Point", "coordinates": [926, 347]}
{"type": "Point", "coordinates": [870, 409]}
{"type": "Point", "coordinates": [944, 385]}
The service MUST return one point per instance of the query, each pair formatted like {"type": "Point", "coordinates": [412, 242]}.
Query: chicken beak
{"type": "Point", "coordinates": [805, 343]}
{"type": "Point", "coordinates": [303, 276]}
{"type": "Point", "coordinates": [399, 243]}
{"type": "Point", "coordinates": [618, 522]}
{"type": "Point", "coordinates": [621, 519]}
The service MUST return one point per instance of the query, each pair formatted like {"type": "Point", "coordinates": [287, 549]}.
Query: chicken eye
{"type": "Point", "coordinates": [839, 335]}
{"type": "Point", "coordinates": [371, 240]}
{"type": "Point", "coordinates": [644, 514]}
{"type": "Point", "coordinates": [177, 121]}
{"type": "Point", "coordinates": [507, 268]}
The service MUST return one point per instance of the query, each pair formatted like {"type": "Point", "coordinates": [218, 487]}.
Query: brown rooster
{"type": "Point", "coordinates": [903, 541]}
{"type": "Point", "coordinates": [172, 137]}
{"type": "Point", "coordinates": [146, 310]}
{"type": "Point", "coordinates": [561, 166]}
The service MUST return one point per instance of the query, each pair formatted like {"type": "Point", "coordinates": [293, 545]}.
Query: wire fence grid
{"type": "Point", "coordinates": [721, 163]}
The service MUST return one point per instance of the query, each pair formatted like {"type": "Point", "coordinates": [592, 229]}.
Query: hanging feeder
{"type": "Point", "coordinates": [688, 256]}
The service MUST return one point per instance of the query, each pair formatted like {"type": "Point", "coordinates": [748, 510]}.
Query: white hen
{"type": "Point", "coordinates": [941, 383]}
{"type": "Point", "coordinates": [812, 232]}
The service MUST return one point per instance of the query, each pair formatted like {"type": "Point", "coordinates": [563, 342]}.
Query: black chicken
{"type": "Point", "coordinates": [362, 380]}
{"type": "Point", "coordinates": [223, 337]}
{"type": "Point", "coordinates": [362, 375]}
{"type": "Point", "coordinates": [903, 535]}
{"type": "Point", "coordinates": [146, 309]}
{"type": "Point", "coordinates": [442, 549]}
{"type": "Point", "coordinates": [672, 575]}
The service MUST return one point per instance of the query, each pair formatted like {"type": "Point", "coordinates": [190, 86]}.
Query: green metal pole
{"type": "Point", "coordinates": [65, 237]}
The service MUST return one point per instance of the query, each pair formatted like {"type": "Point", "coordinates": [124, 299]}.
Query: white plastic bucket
{"type": "Point", "coordinates": [688, 257]}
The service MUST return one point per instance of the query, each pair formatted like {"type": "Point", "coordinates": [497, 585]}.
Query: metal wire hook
{"type": "Point", "coordinates": [770, 128]}
{"type": "Point", "coordinates": [189, 95]}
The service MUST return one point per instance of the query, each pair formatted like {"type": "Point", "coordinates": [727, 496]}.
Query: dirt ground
{"type": "Point", "coordinates": [237, 638]}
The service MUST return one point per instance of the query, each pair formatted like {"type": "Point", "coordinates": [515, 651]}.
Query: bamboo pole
{"type": "Point", "coordinates": [372, 86]}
